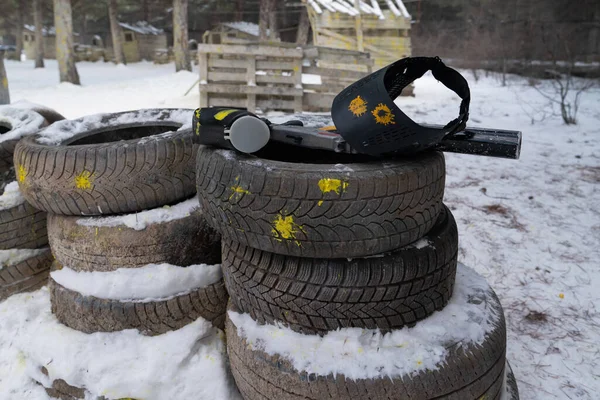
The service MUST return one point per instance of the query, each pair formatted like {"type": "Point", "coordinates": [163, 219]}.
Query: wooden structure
{"type": "Point", "coordinates": [49, 34]}
{"type": "Point", "coordinates": [240, 32]}
{"type": "Point", "coordinates": [140, 41]}
{"type": "Point", "coordinates": [269, 77]}
{"type": "Point", "coordinates": [381, 28]}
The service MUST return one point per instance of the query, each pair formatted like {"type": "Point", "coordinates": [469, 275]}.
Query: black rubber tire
{"type": "Point", "coordinates": [320, 210]}
{"type": "Point", "coordinates": [512, 389]}
{"type": "Point", "coordinates": [26, 275]}
{"type": "Point", "coordinates": [182, 242]}
{"type": "Point", "coordinates": [27, 122]}
{"type": "Point", "coordinates": [50, 115]}
{"type": "Point", "coordinates": [22, 227]}
{"type": "Point", "coordinates": [469, 372]}
{"type": "Point", "coordinates": [315, 296]}
{"type": "Point", "coordinates": [90, 314]}
{"type": "Point", "coordinates": [88, 174]}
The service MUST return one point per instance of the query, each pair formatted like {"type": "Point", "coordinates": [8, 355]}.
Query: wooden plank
{"type": "Point", "coordinates": [226, 77]}
{"type": "Point", "coordinates": [203, 67]}
{"type": "Point", "coordinates": [334, 72]}
{"type": "Point", "coordinates": [351, 41]}
{"type": "Point", "coordinates": [289, 80]}
{"type": "Point", "coordinates": [327, 88]}
{"type": "Point", "coordinates": [260, 64]}
{"type": "Point", "coordinates": [360, 44]}
{"type": "Point", "coordinates": [244, 89]}
{"type": "Point", "coordinates": [214, 62]}
{"type": "Point", "coordinates": [251, 81]}
{"type": "Point", "coordinates": [251, 50]}
{"type": "Point", "coordinates": [273, 104]}
{"type": "Point", "coordinates": [326, 20]}
{"type": "Point", "coordinates": [278, 65]}
{"type": "Point", "coordinates": [221, 101]}
{"type": "Point", "coordinates": [317, 102]}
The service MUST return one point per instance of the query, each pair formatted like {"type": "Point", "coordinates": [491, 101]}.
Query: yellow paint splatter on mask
{"type": "Point", "coordinates": [332, 185]}
{"type": "Point", "coordinates": [358, 106]}
{"type": "Point", "coordinates": [383, 115]}
{"type": "Point", "coordinates": [198, 122]}
{"type": "Point", "coordinates": [84, 180]}
{"type": "Point", "coordinates": [21, 174]}
{"type": "Point", "coordinates": [222, 114]}
{"type": "Point", "coordinates": [239, 191]}
{"type": "Point", "coordinates": [286, 228]}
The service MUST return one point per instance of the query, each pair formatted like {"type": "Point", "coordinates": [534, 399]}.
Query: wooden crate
{"type": "Point", "coordinates": [255, 76]}
{"type": "Point", "coordinates": [338, 69]}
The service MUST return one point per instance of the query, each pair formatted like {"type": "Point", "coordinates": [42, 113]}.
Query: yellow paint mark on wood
{"type": "Point", "coordinates": [4, 83]}
{"type": "Point", "coordinates": [286, 228]}
{"type": "Point", "coordinates": [84, 180]}
{"type": "Point", "coordinates": [332, 185]}
{"type": "Point", "coordinates": [222, 114]}
{"type": "Point", "coordinates": [383, 115]}
{"type": "Point", "coordinates": [358, 106]}
{"type": "Point", "coordinates": [21, 174]}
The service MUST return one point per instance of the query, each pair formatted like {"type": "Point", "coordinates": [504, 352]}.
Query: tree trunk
{"type": "Point", "coordinates": [273, 20]}
{"type": "Point", "coordinates": [39, 36]}
{"type": "Point", "coordinates": [145, 11]}
{"type": "Point", "coordinates": [180, 35]}
{"type": "Point", "coordinates": [19, 30]}
{"type": "Point", "coordinates": [65, 55]}
{"type": "Point", "coordinates": [303, 28]}
{"type": "Point", "coordinates": [4, 94]}
{"type": "Point", "coordinates": [116, 33]}
{"type": "Point", "coordinates": [263, 21]}
{"type": "Point", "coordinates": [239, 10]}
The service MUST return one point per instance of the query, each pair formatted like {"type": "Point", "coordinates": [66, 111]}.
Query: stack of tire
{"type": "Point", "coordinates": [24, 255]}
{"type": "Point", "coordinates": [315, 242]}
{"type": "Point", "coordinates": [119, 190]}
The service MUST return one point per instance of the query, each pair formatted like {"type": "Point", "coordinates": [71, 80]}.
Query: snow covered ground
{"type": "Point", "coordinates": [531, 227]}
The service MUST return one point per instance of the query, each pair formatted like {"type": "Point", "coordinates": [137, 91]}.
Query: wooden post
{"type": "Point", "coordinates": [358, 26]}
{"type": "Point", "coordinates": [4, 93]}
{"type": "Point", "coordinates": [39, 35]}
{"type": "Point", "coordinates": [203, 68]}
{"type": "Point", "coordinates": [251, 81]}
{"type": "Point", "coordinates": [65, 55]}
{"type": "Point", "coordinates": [303, 28]}
{"type": "Point", "coordinates": [263, 19]}
{"type": "Point", "coordinates": [19, 31]}
{"type": "Point", "coordinates": [298, 84]}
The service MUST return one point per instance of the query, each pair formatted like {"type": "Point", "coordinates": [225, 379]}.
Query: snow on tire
{"type": "Point", "coordinates": [16, 123]}
{"type": "Point", "coordinates": [106, 311]}
{"type": "Point", "coordinates": [464, 360]}
{"type": "Point", "coordinates": [177, 235]}
{"type": "Point", "coordinates": [312, 295]}
{"type": "Point", "coordinates": [510, 385]}
{"type": "Point", "coordinates": [315, 205]}
{"type": "Point", "coordinates": [21, 225]}
{"type": "Point", "coordinates": [23, 270]}
{"type": "Point", "coordinates": [109, 163]}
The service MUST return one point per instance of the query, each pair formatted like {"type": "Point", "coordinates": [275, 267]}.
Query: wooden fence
{"type": "Point", "coordinates": [269, 76]}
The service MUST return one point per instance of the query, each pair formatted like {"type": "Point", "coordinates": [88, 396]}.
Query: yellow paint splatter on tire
{"type": "Point", "coordinates": [284, 227]}
{"type": "Point", "coordinates": [238, 192]}
{"type": "Point", "coordinates": [21, 174]}
{"type": "Point", "coordinates": [332, 185]}
{"type": "Point", "coordinates": [84, 180]}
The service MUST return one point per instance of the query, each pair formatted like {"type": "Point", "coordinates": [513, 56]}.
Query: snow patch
{"type": "Point", "coordinates": [21, 123]}
{"type": "Point", "coordinates": [141, 220]}
{"type": "Point", "coordinates": [11, 197]}
{"type": "Point", "coordinates": [421, 243]}
{"type": "Point", "coordinates": [367, 354]}
{"type": "Point", "coordinates": [189, 363]}
{"type": "Point", "coordinates": [151, 282]}
{"type": "Point", "coordinates": [67, 129]}
{"type": "Point", "coordinates": [15, 256]}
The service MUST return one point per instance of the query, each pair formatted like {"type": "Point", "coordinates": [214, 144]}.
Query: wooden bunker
{"type": "Point", "coordinates": [381, 28]}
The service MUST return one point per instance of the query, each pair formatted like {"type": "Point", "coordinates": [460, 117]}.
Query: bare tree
{"type": "Point", "coordinates": [19, 30]}
{"type": "Point", "coordinates": [273, 20]}
{"type": "Point", "coordinates": [116, 32]}
{"type": "Point", "coordinates": [180, 35]}
{"type": "Point", "coordinates": [39, 34]}
{"type": "Point", "coordinates": [263, 20]}
{"type": "Point", "coordinates": [303, 28]}
{"type": "Point", "coordinates": [145, 11]}
{"type": "Point", "coordinates": [65, 55]}
{"type": "Point", "coordinates": [566, 90]}
{"type": "Point", "coordinates": [4, 94]}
